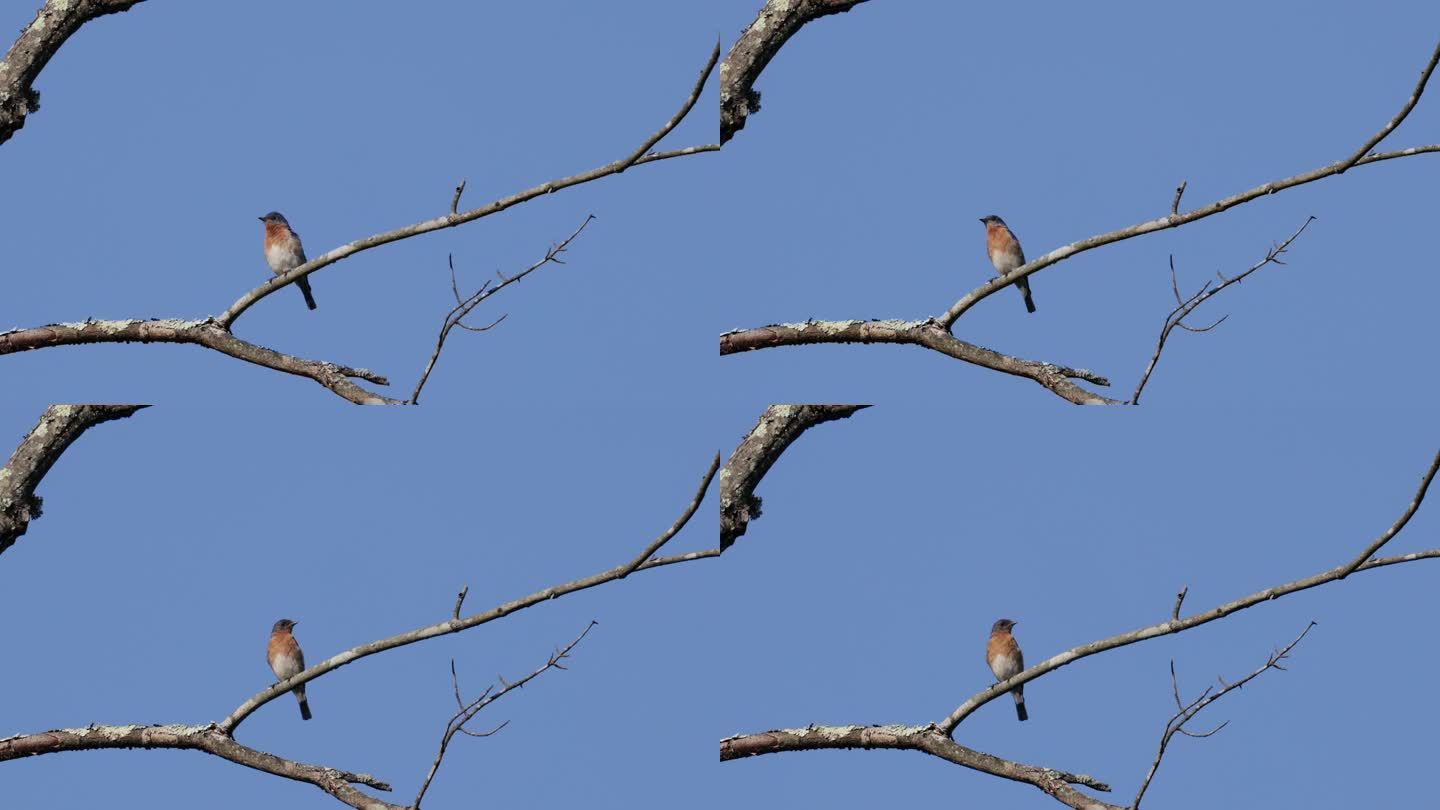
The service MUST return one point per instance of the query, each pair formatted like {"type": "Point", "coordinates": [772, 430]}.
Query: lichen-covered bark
{"type": "Point", "coordinates": [773, 26]}
{"type": "Point", "coordinates": [197, 738]}
{"type": "Point", "coordinates": [916, 738]}
{"type": "Point", "coordinates": [779, 425]}
{"type": "Point", "coordinates": [58, 427]}
{"type": "Point", "coordinates": [38, 42]}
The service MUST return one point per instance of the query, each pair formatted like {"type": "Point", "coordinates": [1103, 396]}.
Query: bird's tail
{"type": "Point", "coordinates": [304, 285]}
{"type": "Point", "coordinates": [1019, 705]}
{"type": "Point", "coordinates": [305, 705]}
{"type": "Point", "coordinates": [1024, 285]}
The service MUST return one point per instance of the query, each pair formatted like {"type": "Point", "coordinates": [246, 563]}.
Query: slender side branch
{"type": "Point", "coordinates": [916, 738]}
{"type": "Point", "coordinates": [1173, 625]}
{"type": "Point", "coordinates": [451, 219]}
{"type": "Point", "coordinates": [1400, 116]}
{"type": "Point", "coordinates": [1188, 711]}
{"type": "Point", "coordinates": [197, 738]}
{"type": "Point", "coordinates": [200, 333]}
{"type": "Point", "coordinates": [778, 427]}
{"type": "Point", "coordinates": [58, 428]}
{"type": "Point", "coordinates": [456, 625]}
{"type": "Point", "coordinates": [772, 28]}
{"type": "Point", "coordinates": [925, 334]}
{"type": "Point", "coordinates": [464, 306]}
{"type": "Point", "coordinates": [38, 42]}
{"type": "Point", "coordinates": [1183, 308]}
{"type": "Point", "coordinates": [468, 711]}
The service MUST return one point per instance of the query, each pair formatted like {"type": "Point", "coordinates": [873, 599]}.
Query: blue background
{"type": "Point", "coordinates": [561, 442]}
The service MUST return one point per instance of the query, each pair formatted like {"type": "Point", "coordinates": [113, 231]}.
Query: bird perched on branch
{"type": "Point", "coordinates": [1003, 656]}
{"type": "Point", "coordinates": [283, 251]}
{"type": "Point", "coordinates": [1005, 253]}
{"type": "Point", "coordinates": [285, 659]}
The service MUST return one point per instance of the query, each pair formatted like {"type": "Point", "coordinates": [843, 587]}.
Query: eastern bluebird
{"type": "Point", "coordinates": [283, 251]}
{"type": "Point", "coordinates": [1003, 656]}
{"type": "Point", "coordinates": [286, 660]}
{"type": "Point", "coordinates": [1005, 253]}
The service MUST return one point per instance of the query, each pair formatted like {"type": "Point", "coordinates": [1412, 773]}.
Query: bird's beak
{"type": "Point", "coordinates": [982, 219]}
{"type": "Point", "coordinates": [262, 219]}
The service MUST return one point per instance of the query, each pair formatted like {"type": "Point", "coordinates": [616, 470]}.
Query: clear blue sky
{"type": "Point", "coordinates": [561, 442]}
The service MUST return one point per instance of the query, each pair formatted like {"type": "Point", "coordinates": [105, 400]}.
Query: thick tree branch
{"type": "Point", "coordinates": [926, 334]}
{"type": "Point", "coordinates": [38, 42]}
{"type": "Point", "coordinates": [59, 426]}
{"type": "Point", "coordinates": [1183, 308]}
{"type": "Point", "coordinates": [1174, 625]}
{"type": "Point", "coordinates": [199, 333]}
{"type": "Point", "coordinates": [772, 28]}
{"type": "Point", "coordinates": [915, 738]}
{"type": "Point", "coordinates": [456, 625]}
{"type": "Point", "coordinates": [452, 219]}
{"type": "Point", "coordinates": [779, 426]}
{"type": "Point", "coordinates": [1188, 711]}
{"type": "Point", "coordinates": [467, 711]}
{"type": "Point", "coordinates": [197, 738]}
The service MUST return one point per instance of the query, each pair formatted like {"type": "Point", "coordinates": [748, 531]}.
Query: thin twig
{"type": "Point", "coordinates": [467, 713]}
{"type": "Point", "coordinates": [1186, 713]}
{"type": "Point", "coordinates": [1205, 293]}
{"type": "Point", "coordinates": [455, 201]}
{"type": "Point", "coordinates": [460, 600]}
{"type": "Point", "coordinates": [457, 314]}
{"type": "Point", "coordinates": [1179, 190]}
{"type": "Point", "coordinates": [1179, 600]}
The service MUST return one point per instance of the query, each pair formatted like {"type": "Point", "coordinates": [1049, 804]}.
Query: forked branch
{"type": "Point", "coordinates": [467, 711]}
{"type": "Point", "coordinates": [1187, 711]}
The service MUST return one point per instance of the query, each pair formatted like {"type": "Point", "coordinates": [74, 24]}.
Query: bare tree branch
{"type": "Point", "coordinates": [468, 711]}
{"type": "Point", "coordinates": [215, 333]}
{"type": "Point", "coordinates": [1057, 784]}
{"type": "Point", "coordinates": [1173, 625]}
{"type": "Point", "coordinates": [915, 738]}
{"type": "Point", "coordinates": [38, 42]}
{"type": "Point", "coordinates": [59, 426]}
{"type": "Point", "coordinates": [1188, 711]}
{"type": "Point", "coordinates": [197, 738]}
{"type": "Point", "coordinates": [1400, 116]}
{"type": "Point", "coordinates": [778, 427]}
{"type": "Point", "coordinates": [1175, 219]}
{"type": "Point", "coordinates": [926, 334]}
{"type": "Point", "coordinates": [1183, 308]}
{"type": "Point", "coordinates": [450, 220]}
{"type": "Point", "coordinates": [456, 625]}
{"type": "Point", "coordinates": [777, 21]}
{"type": "Point", "coordinates": [218, 738]}
{"type": "Point", "coordinates": [1054, 378]}
{"type": "Point", "coordinates": [463, 307]}
{"type": "Point", "coordinates": [205, 333]}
